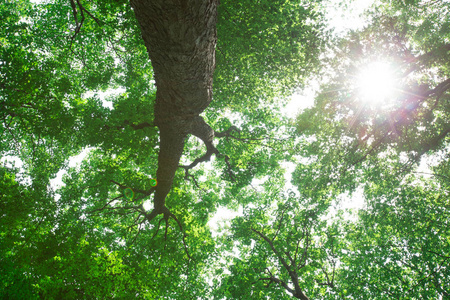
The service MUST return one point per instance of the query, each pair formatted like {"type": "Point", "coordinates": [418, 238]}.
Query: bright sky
{"type": "Point", "coordinates": [342, 19]}
{"type": "Point", "coordinates": [346, 18]}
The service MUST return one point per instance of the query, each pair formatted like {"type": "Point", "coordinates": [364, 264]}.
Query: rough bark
{"type": "Point", "coordinates": [180, 36]}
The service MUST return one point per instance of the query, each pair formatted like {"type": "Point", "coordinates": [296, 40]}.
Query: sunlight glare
{"type": "Point", "coordinates": [376, 83]}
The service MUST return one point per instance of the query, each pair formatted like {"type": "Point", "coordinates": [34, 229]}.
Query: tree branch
{"type": "Point", "coordinates": [79, 24]}
{"type": "Point", "coordinates": [137, 234]}
{"type": "Point", "coordinates": [280, 282]}
{"type": "Point", "coordinates": [171, 215]}
{"type": "Point", "coordinates": [157, 229]}
{"type": "Point", "coordinates": [425, 58]}
{"type": "Point", "coordinates": [140, 125]}
{"type": "Point", "coordinates": [143, 192]}
{"type": "Point", "coordinates": [226, 132]}
{"type": "Point", "coordinates": [280, 222]}
{"type": "Point", "coordinates": [82, 8]}
{"type": "Point", "coordinates": [107, 203]}
{"type": "Point", "coordinates": [74, 12]}
{"type": "Point", "coordinates": [304, 254]}
{"type": "Point", "coordinates": [203, 158]}
{"type": "Point", "coordinates": [269, 241]}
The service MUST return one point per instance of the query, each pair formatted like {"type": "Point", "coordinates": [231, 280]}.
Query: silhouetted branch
{"type": "Point", "coordinates": [275, 251]}
{"type": "Point", "coordinates": [135, 237]}
{"type": "Point", "coordinates": [184, 234]}
{"type": "Point", "coordinates": [278, 281]}
{"type": "Point", "coordinates": [143, 192]}
{"type": "Point", "coordinates": [425, 58]}
{"type": "Point", "coordinates": [107, 203]}
{"type": "Point", "coordinates": [157, 228]}
{"type": "Point", "coordinates": [226, 132]}
{"type": "Point", "coordinates": [203, 158]}
{"type": "Point", "coordinates": [280, 222]}
{"type": "Point", "coordinates": [140, 125]}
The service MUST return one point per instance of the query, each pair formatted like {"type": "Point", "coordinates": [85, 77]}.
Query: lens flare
{"type": "Point", "coordinates": [128, 193]}
{"type": "Point", "coordinates": [153, 182]}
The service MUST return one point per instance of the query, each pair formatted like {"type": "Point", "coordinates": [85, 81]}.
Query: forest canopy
{"type": "Point", "coordinates": [175, 111]}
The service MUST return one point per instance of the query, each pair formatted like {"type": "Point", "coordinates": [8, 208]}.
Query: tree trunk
{"type": "Point", "coordinates": [180, 36]}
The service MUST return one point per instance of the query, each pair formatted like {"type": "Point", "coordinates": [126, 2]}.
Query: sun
{"type": "Point", "coordinates": [376, 82]}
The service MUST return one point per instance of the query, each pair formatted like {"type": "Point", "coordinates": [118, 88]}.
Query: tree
{"type": "Point", "coordinates": [194, 81]}
{"type": "Point", "coordinates": [397, 245]}
{"type": "Point", "coordinates": [51, 72]}
{"type": "Point", "coordinates": [381, 148]}
{"type": "Point", "coordinates": [181, 40]}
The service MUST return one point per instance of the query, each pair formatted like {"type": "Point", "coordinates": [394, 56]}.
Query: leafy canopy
{"type": "Point", "coordinates": [87, 240]}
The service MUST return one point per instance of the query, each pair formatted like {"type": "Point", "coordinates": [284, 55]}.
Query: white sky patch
{"type": "Point", "coordinates": [148, 205]}
{"type": "Point", "coordinates": [356, 201]}
{"type": "Point", "coordinates": [11, 161]}
{"type": "Point", "coordinates": [290, 168]}
{"type": "Point", "coordinates": [221, 219]}
{"type": "Point", "coordinates": [14, 162]}
{"type": "Point", "coordinates": [104, 96]}
{"type": "Point", "coordinates": [74, 161]}
{"type": "Point", "coordinates": [301, 100]}
{"type": "Point", "coordinates": [257, 183]}
{"type": "Point", "coordinates": [235, 118]}
{"type": "Point", "coordinates": [344, 18]}
{"type": "Point", "coordinates": [428, 161]}
{"type": "Point", "coordinates": [348, 205]}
